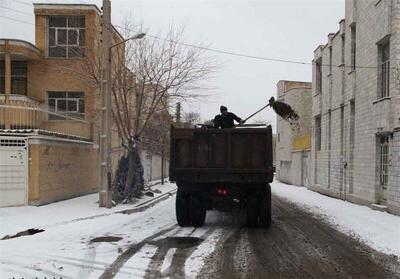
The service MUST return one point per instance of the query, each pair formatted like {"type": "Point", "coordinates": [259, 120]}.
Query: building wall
{"type": "Point", "coordinates": [61, 169]}
{"type": "Point", "coordinates": [347, 165]}
{"type": "Point", "coordinates": [293, 139]}
{"type": "Point", "coordinates": [64, 74]}
{"type": "Point", "coordinates": [152, 166]}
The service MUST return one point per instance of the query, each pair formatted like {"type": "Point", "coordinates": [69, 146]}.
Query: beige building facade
{"type": "Point", "coordinates": [293, 140]}
{"type": "Point", "coordinates": [49, 120]}
{"type": "Point", "coordinates": [356, 107]}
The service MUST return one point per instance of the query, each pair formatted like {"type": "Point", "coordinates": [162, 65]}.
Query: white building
{"type": "Point", "coordinates": [356, 107]}
{"type": "Point", "coordinates": [293, 142]}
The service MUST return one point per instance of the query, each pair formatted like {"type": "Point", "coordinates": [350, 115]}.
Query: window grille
{"type": "Point", "coordinates": [19, 70]}
{"type": "Point", "coordinates": [384, 160]}
{"type": "Point", "coordinates": [385, 71]}
{"type": "Point", "coordinates": [318, 133]}
{"type": "Point", "coordinates": [66, 36]}
{"type": "Point", "coordinates": [70, 104]}
{"type": "Point", "coordinates": [2, 77]}
{"type": "Point", "coordinates": [353, 47]}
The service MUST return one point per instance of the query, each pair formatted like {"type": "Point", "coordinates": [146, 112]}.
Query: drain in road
{"type": "Point", "coordinates": [106, 239]}
{"type": "Point", "coordinates": [181, 242]}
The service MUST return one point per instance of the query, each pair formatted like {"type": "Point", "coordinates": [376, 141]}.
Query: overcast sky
{"type": "Point", "coordinates": [280, 29]}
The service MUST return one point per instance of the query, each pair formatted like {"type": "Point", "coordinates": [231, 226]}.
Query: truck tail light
{"type": "Point", "coordinates": [222, 192]}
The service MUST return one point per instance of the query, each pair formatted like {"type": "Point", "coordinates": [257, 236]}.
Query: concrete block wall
{"type": "Point", "coordinates": [348, 166]}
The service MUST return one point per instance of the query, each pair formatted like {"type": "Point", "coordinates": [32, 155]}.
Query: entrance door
{"type": "Point", "coordinates": [304, 169]}
{"type": "Point", "coordinates": [13, 171]}
{"type": "Point", "coordinates": [383, 167]}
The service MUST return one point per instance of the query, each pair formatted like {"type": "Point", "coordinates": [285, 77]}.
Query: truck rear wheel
{"type": "Point", "coordinates": [264, 207]}
{"type": "Point", "coordinates": [182, 208]}
{"type": "Point", "coordinates": [197, 210]}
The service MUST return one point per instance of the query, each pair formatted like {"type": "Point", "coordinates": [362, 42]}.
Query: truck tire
{"type": "Point", "coordinates": [252, 212]}
{"type": "Point", "coordinates": [197, 210]}
{"type": "Point", "coordinates": [182, 208]}
{"type": "Point", "coordinates": [264, 206]}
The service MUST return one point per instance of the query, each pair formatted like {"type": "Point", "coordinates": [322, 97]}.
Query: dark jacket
{"type": "Point", "coordinates": [225, 121]}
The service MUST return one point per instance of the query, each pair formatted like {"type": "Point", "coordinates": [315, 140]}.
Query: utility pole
{"type": "Point", "coordinates": [106, 121]}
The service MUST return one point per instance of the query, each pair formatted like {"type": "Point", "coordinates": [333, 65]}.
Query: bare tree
{"type": "Point", "coordinates": [147, 75]}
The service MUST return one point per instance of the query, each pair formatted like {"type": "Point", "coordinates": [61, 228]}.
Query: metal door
{"type": "Point", "coordinates": [13, 171]}
{"type": "Point", "coordinates": [304, 169]}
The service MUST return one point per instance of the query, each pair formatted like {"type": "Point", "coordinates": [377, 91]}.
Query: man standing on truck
{"type": "Point", "coordinates": [225, 119]}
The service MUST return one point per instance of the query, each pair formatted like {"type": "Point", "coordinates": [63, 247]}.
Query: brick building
{"type": "Point", "coordinates": [356, 107]}
{"type": "Point", "coordinates": [293, 142]}
{"type": "Point", "coordinates": [49, 123]}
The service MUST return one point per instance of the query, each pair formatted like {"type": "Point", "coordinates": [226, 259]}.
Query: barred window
{"type": "Point", "coordinates": [2, 77]}
{"type": "Point", "coordinates": [384, 70]}
{"type": "Point", "coordinates": [353, 47]}
{"type": "Point", "coordinates": [318, 77]}
{"type": "Point", "coordinates": [384, 160]}
{"type": "Point", "coordinates": [69, 104]}
{"type": "Point", "coordinates": [318, 132]}
{"type": "Point", "coordinates": [19, 70]}
{"type": "Point", "coordinates": [66, 36]}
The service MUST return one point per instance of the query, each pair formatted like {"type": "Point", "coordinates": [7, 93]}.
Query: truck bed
{"type": "Point", "coordinates": [238, 155]}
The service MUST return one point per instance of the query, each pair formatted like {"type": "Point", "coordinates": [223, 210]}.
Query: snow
{"type": "Point", "coordinates": [379, 230]}
{"type": "Point", "coordinates": [16, 219]}
{"type": "Point", "coordinates": [64, 248]}
{"type": "Point", "coordinates": [136, 266]}
{"type": "Point", "coordinates": [168, 259]}
{"type": "Point", "coordinates": [195, 261]}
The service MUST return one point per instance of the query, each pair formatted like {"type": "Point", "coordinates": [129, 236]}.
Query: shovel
{"type": "Point", "coordinates": [283, 110]}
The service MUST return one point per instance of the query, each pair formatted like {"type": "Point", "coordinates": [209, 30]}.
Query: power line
{"type": "Point", "coordinates": [17, 11]}
{"type": "Point", "coordinates": [253, 56]}
{"type": "Point", "coordinates": [224, 51]}
{"type": "Point", "coordinates": [17, 20]}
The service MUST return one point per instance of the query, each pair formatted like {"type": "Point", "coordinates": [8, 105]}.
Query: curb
{"type": "Point", "coordinates": [147, 204]}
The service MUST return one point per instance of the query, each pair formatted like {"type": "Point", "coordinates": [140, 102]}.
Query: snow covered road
{"type": "Point", "coordinates": [149, 244]}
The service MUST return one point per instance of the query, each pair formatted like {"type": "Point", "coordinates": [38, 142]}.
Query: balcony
{"type": "Point", "coordinates": [21, 114]}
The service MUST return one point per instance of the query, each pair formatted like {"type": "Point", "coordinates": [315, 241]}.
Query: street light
{"type": "Point", "coordinates": [137, 36]}
{"type": "Point", "coordinates": [106, 115]}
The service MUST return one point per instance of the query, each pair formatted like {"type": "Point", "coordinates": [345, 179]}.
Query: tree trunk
{"type": "Point", "coordinates": [134, 184]}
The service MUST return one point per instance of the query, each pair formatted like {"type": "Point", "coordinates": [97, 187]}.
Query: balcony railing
{"type": "Point", "coordinates": [17, 118]}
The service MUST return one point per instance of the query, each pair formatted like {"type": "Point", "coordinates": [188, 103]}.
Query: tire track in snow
{"type": "Point", "coordinates": [113, 269]}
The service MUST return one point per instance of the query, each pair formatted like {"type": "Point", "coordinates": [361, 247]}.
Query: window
{"type": "Point", "coordinates": [2, 77]}
{"type": "Point", "coordinates": [318, 132]}
{"type": "Point", "coordinates": [343, 49]}
{"type": "Point", "coordinates": [330, 60]}
{"type": "Point", "coordinates": [318, 77]}
{"type": "Point", "coordinates": [70, 104]}
{"type": "Point", "coordinates": [353, 47]}
{"type": "Point", "coordinates": [384, 70]}
{"type": "Point", "coordinates": [66, 36]}
{"type": "Point", "coordinates": [19, 71]}
{"type": "Point", "coordinates": [384, 159]}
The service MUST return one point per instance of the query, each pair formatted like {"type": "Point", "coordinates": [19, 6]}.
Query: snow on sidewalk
{"type": "Point", "coordinates": [16, 219]}
{"type": "Point", "coordinates": [379, 230]}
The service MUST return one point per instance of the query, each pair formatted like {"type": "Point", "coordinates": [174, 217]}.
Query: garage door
{"type": "Point", "coordinates": [13, 171]}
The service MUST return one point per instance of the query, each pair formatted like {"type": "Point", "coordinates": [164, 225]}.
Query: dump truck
{"type": "Point", "coordinates": [224, 170]}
